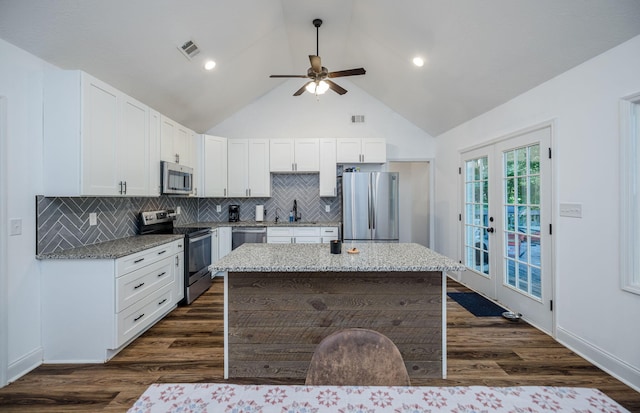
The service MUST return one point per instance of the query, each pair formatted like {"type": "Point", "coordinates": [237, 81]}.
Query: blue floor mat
{"type": "Point", "coordinates": [477, 304]}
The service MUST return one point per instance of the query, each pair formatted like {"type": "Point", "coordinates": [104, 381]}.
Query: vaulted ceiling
{"type": "Point", "coordinates": [478, 54]}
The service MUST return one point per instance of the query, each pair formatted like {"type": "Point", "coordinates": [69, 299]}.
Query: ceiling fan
{"type": "Point", "coordinates": [319, 74]}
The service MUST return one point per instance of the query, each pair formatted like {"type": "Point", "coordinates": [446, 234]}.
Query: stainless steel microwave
{"type": "Point", "coordinates": [176, 179]}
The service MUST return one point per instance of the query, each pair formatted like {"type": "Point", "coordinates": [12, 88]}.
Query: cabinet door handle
{"type": "Point", "coordinates": [162, 252]}
{"type": "Point", "coordinates": [138, 317]}
{"type": "Point", "coordinates": [225, 191]}
{"type": "Point", "coordinates": [125, 187]}
{"type": "Point", "coordinates": [162, 273]}
{"type": "Point", "coordinates": [138, 260]}
{"type": "Point", "coordinates": [120, 191]}
{"type": "Point", "coordinates": [293, 166]}
{"type": "Point", "coordinates": [138, 286]}
{"type": "Point", "coordinates": [177, 261]}
{"type": "Point", "coordinates": [162, 302]}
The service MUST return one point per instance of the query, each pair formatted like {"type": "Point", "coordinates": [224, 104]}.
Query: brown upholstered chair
{"type": "Point", "coordinates": [357, 357]}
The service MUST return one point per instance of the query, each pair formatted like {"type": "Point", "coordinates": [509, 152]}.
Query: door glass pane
{"type": "Point", "coordinates": [476, 215]}
{"type": "Point", "coordinates": [522, 261]}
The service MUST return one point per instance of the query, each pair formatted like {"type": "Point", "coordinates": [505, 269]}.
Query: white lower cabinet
{"type": "Point", "coordinates": [299, 235]}
{"type": "Point", "coordinates": [220, 245]}
{"type": "Point", "coordinates": [329, 234]}
{"type": "Point", "coordinates": [93, 308]}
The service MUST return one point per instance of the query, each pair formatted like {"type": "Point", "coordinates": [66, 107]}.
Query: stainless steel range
{"type": "Point", "coordinates": [197, 276]}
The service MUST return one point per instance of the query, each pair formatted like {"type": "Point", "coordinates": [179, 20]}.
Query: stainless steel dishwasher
{"type": "Point", "coordinates": [241, 235]}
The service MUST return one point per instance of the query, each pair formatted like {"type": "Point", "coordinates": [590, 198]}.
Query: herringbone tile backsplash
{"type": "Point", "coordinates": [63, 223]}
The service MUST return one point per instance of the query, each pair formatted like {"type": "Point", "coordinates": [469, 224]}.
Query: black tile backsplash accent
{"type": "Point", "coordinates": [63, 222]}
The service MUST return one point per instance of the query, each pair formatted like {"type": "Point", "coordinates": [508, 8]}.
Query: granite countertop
{"type": "Point", "coordinates": [318, 258]}
{"type": "Point", "coordinates": [262, 224]}
{"type": "Point", "coordinates": [111, 249]}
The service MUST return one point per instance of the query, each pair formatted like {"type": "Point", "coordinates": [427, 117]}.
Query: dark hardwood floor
{"type": "Point", "coordinates": [187, 346]}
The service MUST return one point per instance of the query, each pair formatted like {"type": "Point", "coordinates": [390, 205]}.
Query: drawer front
{"type": "Point", "coordinates": [307, 240]}
{"type": "Point", "coordinates": [144, 313]}
{"type": "Point", "coordinates": [329, 232]}
{"type": "Point", "coordinates": [279, 232]}
{"type": "Point", "coordinates": [306, 232]}
{"type": "Point", "coordinates": [328, 239]}
{"type": "Point", "coordinates": [279, 240]}
{"type": "Point", "coordinates": [141, 259]}
{"type": "Point", "coordinates": [138, 284]}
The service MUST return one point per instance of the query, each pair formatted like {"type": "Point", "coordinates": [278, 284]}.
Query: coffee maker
{"type": "Point", "coordinates": [234, 213]}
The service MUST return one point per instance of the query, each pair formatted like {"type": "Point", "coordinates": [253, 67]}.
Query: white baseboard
{"type": "Point", "coordinates": [25, 364]}
{"type": "Point", "coordinates": [619, 369]}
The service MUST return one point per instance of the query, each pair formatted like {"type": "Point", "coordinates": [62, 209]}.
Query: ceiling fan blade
{"type": "Point", "coordinates": [316, 64]}
{"type": "Point", "coordinates": [303, 76]}
{"type": "Point", "coordinates": [350, 72]}
{"type": "Point", "coordinates": [336, 88]}
{"type": "Point", "coordinates": [302, 89]}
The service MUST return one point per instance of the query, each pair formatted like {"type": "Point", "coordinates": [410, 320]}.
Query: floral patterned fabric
{"type": "Point", "coordinates": [217, 397]}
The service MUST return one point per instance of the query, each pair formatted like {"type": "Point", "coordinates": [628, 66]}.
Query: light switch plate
{"type": "Point", "coordinates": [93, 219]}
{"type": "Point", "coordinates": [178, 210]}
{"type": "Point", "coordinates": [572, 210]}
{"type": "Point", "coordinates": [218, 208]}
{"type": "Point", "coordinates": [327, 208]}
{"type": "Point", "coordinates": [15, 226]}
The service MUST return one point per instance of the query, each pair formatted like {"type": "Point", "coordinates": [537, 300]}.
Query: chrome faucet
{"type": "Point", "coordinates": [277, 216]}
{"type": "Point", "coordinates": [296, 216]}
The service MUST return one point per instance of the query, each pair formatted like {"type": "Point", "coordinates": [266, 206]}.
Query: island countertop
{"type": "Point", "coordinates": [372, 257]}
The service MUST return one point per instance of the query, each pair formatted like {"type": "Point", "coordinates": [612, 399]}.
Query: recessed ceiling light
{"type": "Point", "coordinates": [209, 65]}
{"type": "Point", "coordinates": [418, 61]}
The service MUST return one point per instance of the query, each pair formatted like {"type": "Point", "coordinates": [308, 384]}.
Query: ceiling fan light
{"type": "Point", "coordinates": [322, 87]}
{"type": "Point", "coordinates": [317, 88]}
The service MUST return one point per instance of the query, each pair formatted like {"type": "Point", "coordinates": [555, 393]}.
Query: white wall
{"type": "Point", "coordinates": [278, 114]}
{"type": "Point", "coordinates": [21, 84]}
{"type": "Point", "coordinates": [593, 315]}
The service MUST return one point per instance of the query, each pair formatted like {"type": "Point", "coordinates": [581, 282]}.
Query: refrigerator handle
{"type": "Point", "coordinates": [370, 206]}
{"type": "Point", "coordinates": [374, 197]}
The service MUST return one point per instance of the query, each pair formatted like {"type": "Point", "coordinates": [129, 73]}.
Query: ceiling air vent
{"type": "Point", "coordinates": [189, 49]}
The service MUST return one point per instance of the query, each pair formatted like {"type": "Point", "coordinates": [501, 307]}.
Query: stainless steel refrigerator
{"type": "Point", "coordinates": [370, 206]}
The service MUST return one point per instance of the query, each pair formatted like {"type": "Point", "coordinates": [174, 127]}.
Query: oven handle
{"type": "Point", "coordinates": [199, 238]}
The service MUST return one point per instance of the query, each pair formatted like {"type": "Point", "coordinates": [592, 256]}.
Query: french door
{"type": "Point", "coordinates": [506, 217]}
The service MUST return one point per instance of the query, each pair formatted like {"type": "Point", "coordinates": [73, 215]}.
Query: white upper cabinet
{"type": "Point", "coordinates": [294, 155]}
{"type": "Point", "coordinates": [155, 120]}
{"type": "Point", "coordinates": [176, 143]}
{"type": "Point", "coordinates": [361, 150]}
{"type": "Point", "coordinates": [248, 168]}
{"type": "Point", "coordinates": [133, 148]}
{"type": "Point", "coordinates": [328, 162]}
{"type": "Point", "coordinates": [213, 166]}
{"type": "Point", "coordinates": [96, 138]}
{"type": "Point", "coordinates": [258, 174]}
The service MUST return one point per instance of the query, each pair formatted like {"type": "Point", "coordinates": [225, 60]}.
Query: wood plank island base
{"type": "Point", "coordinates": [282, 300]}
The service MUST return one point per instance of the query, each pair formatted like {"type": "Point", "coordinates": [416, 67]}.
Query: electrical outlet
{"type": "Point", "coordinates": [327, 208]}
{"type": "Point", "coordinates": [571, 210]}
{"type": "Point", "coordinates": [218, 208]}
{"type": "Point", "coordinates": [93, 219]}
{"type": "Point", "coordinates": [15, 226]}
{"type": "Point", "coordinates": [178, 210]}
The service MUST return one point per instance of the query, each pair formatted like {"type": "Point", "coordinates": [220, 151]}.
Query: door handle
{"type": "Point", "coordinates": [490, 229]}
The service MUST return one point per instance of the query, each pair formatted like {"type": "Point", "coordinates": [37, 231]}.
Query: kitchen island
{"type": "Point", "coordinates": [282, 300]}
